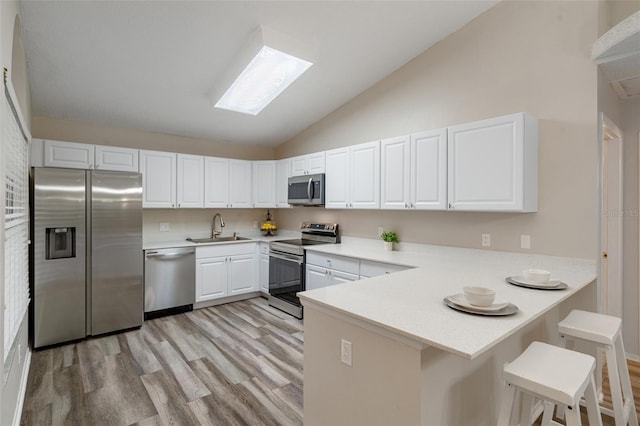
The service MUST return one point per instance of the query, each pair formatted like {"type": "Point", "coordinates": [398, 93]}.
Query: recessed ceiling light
{"type": "Point", "coordinates": [276, 62]}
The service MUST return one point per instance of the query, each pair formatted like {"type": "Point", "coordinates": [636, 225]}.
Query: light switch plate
{"type": "Point", "coordinates": [525, 241]}
{"type": "Point", "coordinates": [164, 227]}
{"type": "Point", "coordinates": [486, 240]}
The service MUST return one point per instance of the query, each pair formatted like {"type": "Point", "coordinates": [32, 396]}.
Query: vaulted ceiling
{"type": "Point", "coordinates": [152, 65]}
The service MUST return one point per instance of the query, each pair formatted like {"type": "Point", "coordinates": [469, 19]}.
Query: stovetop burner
{"type": "Point", "coordinates": [311, 234]}
{"type": "Point", "coordinates": [301, 242]}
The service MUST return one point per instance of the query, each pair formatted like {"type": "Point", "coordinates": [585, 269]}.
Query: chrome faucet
{"type": "Point", "coordinates": [214, 232]}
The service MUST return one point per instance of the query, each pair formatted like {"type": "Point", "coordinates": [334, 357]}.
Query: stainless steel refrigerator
{"type": "Point", "coordinates": [87, 253]}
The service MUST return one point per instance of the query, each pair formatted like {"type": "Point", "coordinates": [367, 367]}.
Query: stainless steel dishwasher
{"type": "Point", "coordinates": [169, 280]}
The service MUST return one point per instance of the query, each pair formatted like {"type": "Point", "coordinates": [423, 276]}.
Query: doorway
{"type": "Point", "coordinates": [611, 218]}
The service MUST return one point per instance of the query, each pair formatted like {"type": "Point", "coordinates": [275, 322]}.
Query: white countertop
{"type": "Point", "coordinates": [410, 303]}
{"type": "Point", "coordinates": [255, 236]}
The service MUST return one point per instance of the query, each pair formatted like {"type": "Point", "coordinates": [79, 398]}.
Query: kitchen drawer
{"type": "Point", "coordinates": [225, 250]}
{"type": "Point", "coordinates": [369, 268]}
{"type": "Point", "coordinates": [331, 261]}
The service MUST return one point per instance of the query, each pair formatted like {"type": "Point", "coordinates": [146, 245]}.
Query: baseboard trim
{"type": "Point", "coordinates": [633, 357]}
{"type": "Point", "coordinates": [23, 388]}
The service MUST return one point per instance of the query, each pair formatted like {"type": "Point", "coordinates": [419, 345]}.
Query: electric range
{"type": "Point", "coordinates": [287, 265]}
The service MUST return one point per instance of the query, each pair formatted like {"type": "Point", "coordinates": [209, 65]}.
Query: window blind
{"type": "Point", "coordinates": [16, 220]}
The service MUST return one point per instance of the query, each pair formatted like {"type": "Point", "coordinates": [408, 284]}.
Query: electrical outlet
{"type": "Point", "coordinates": [345, 352]}
{"type": "Point", "coordinates": [380, 230]}
{"type": "Point", "coordinates": [164, 227]}
{"type": "Point", "coordinates": [525, 241]}
{"type": "Point", "coordinates": [486, 240]}
{"type": "Point", "coordinates": [255, 224]}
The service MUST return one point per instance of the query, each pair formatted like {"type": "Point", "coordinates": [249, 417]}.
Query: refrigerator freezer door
{"type": "Point", "coordinates": [116, 255]}
{"type": "Point", "coordinates": [58, 281]}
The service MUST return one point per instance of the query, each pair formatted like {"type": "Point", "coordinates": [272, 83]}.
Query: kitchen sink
{"type": "Point", "coordinates": [217, 240]}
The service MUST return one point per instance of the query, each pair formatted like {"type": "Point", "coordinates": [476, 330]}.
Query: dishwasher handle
{"type": "Point", "coordinates": [155, 254]}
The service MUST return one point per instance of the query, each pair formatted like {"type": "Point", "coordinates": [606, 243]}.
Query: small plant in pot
{"type": "Point", "coordinates": [389, 238]}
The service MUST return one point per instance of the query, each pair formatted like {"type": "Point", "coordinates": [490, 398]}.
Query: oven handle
{"type": "Point", "coordinates": [287, 258]}
{"type": "Point", "coordinates": [309, 195]}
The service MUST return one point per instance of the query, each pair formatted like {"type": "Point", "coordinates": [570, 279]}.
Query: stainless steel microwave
{"type": "Point", "coordinates": [307, 190]}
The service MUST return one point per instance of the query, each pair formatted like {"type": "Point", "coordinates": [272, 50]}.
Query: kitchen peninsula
{"type": "Point", "coordinates": [413, 359]}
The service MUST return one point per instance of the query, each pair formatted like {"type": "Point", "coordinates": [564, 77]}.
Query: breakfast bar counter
{"type": "Point", "coordinates": [415, 360]}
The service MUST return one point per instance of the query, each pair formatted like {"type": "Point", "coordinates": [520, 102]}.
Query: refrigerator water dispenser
{"type": "Point", "coordinates": [61, 243]}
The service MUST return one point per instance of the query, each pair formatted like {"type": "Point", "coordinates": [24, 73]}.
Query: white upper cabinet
{"type": "Point", "coordinates": [158, 179]}
{"type": "Point", "coordinates": [239, 184]}
{"type": "Point", "coordinates": [190, 182]}
{"type": "Point", "coordinates": [429, 170]}
{"type": "Point", "coordinates": [336, 195]}
{"type": "Point", "coordinates": [492, 164]}
{"type": "Point", "coordinates": [309, 164]}
{"type": "Point", "coordinates": [227, 183]}
{"type": "Point", "coordinates": [116, 158]}
{"type": "Point", "coordinates": [395, 173]}
{"type": "Point", "coordinates": [216, 182]}
{"type": "Point", "coordinates": [282, 183]}
{"type": "Point", "coordinates": [353, 177]}
{"type": "Point", "coordinates": [264, 184]}
{"type": "Point", "coordinates": [74, 155]}
{"type": "Point", "coordinates": [68, 154]}
{"type": "Point", "coordinates": [414, 171]}
{"type": "Point", "coordinates": [365, 176]}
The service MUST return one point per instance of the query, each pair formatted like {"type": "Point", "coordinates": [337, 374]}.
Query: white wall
{"type": "Point", "coordinates": [13, 58]}
{"type": "Point", "coordinates": [196, 223]}
{"type": "Point", "coordinates": [630, 125]}
{"type": "Point", "coordinates": [518, 56]}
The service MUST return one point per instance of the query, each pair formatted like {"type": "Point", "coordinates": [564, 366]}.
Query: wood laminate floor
{"type": "Point", "coordinates": [239, 363]}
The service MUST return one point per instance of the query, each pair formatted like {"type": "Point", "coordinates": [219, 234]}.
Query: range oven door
{"type": "Point", "coordinates": [286, 279]}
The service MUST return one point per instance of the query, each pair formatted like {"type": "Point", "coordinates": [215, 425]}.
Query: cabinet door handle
{"type": "Point", "coordinates": [173, 205]}
{"type": "Point", "coordinates": [450, 206]}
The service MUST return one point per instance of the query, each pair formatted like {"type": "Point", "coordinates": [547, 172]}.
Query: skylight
{"type": "Point", "coordinates": [265, 66]}
{"type": "Point", "coordinates": [268, 74]}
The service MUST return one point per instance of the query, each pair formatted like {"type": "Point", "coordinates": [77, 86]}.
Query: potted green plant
{"type": "Point", "coordinates": [389, 238]}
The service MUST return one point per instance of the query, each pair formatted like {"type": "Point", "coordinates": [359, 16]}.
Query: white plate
{"type": "Point", "coordinates": [459, 299]}
{"type": "Point", "coordinates": [551, 283]}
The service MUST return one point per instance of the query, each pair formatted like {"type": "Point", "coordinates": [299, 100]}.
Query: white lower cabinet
{"type": "Point", "coordinates": [263, 267]}
{"type": "Point", "coordinates": [369, 268]}
{"type": "Point", "coordinates": [225, 270]}
{"type": "Point", "coordinates": [317, 277]}
{"type": "Point", "coordinates": [211, 278]}
{"type": "Point", "coordinates": [323, 270]}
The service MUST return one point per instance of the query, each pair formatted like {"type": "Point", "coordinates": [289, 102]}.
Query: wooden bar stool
{"type": "Point", "coordinates": [555, 375]}
{"type": "Point", "coordinates": [605, 332]}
